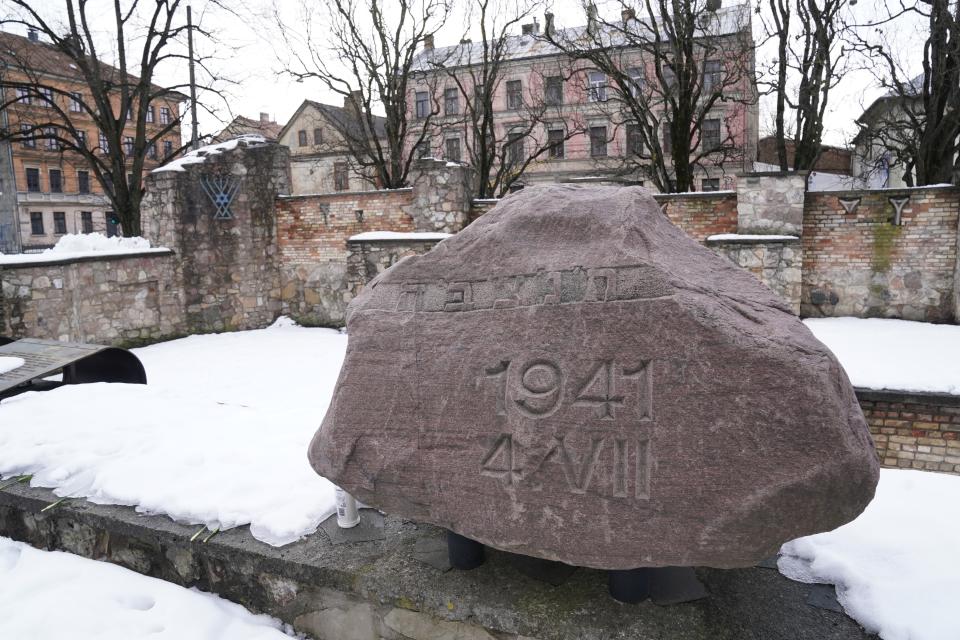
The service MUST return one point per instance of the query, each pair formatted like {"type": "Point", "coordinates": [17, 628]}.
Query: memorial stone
{"type": "Point", "coordinates": [572, 377]}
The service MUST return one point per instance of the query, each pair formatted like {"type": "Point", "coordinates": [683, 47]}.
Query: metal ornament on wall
{"type": "Point", "coordinates": [221, 190]}
{"type": "Point", "coordinates": [850, 204]}
{"type": "Point", "coordinates": [898, 204]}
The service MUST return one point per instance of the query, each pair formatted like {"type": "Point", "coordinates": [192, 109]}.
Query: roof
{"type": "Point", "coordinates": [43, 57]}
{"type": "Point", "coordinates": [241, 125]}
{"type": "Point", "coordinates": [913, 89]}
{"type": "Point", "coordinates": [342, 119]}
{"type": "Point", "coordinates": [729, 20]}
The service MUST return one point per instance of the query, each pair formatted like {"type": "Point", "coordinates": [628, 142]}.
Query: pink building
{"type": "Point", "coordinates": [567, 113]}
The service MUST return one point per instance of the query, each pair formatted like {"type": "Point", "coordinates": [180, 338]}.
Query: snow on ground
{"type": "Point", "coordinates": [51, 594]}
{"type": "Point", "coordinates": [894, 354]}
{"type": "Point", "coordinates": [218, 436]}
{"type": "Point", "coordinates": [9, 363]}
{"type": "Point", "coordinates": [896, 567]}
{"type": "Point", "coordinates": [83, 245]}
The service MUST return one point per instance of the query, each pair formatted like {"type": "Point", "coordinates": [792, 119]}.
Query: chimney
{"type": "Point", "coordinates": [428, 42]}
{"type": "Point", "coordinates": [714, 5]}
{"type": "Point", "coordinates": [527, 29]}
{"type": "Point", "coordinates": [627, 15]}
{"type": "Point", "coordinates": [592, 19]}
{"type": "Point", "coordinates": [264, 118]}
{"type": "Point", "coordinates": [353, 103]}
{"type": "Point", "coordinates": [548, 23]}
{"type": "Point", "coordinates": [536, 26]}
{"type": "Point", "coordinates": [465, 40]}
{"type": "Point", "coordinates": [32, 35]}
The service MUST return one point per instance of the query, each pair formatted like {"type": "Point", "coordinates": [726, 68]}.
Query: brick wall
{"type": "Point", "coordinates": [701, 214]}
{"type": "Point", "coordinates": [863, 264]}
{"type": "Point", "coordinates": [914, 431]}
{"type": "Point", "coordinates": [108, 300]}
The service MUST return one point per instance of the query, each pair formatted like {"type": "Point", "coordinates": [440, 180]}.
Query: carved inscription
{"type": "Point", "coordinates": [568, 286]}
{"type": "Point", "coordinates": [618, 467]}
{"type": "Point", "coordinates": [606, 393]}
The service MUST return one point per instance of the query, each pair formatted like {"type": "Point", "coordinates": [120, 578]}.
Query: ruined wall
{"type": "Point", "coordinates": [108, 300]}
{"type": "Point", "coordinates": [776, 262]}
{"type": "Point", "coordinates": [368, 258]}
{"type": "Point", "coordinates": [861, 258]}
{"type": "Point", "coordinates": [771, 202]}
{"type": "Point", "coordinates": [229, 261]}
{"type": "Point", "coordinates": [701, 215]}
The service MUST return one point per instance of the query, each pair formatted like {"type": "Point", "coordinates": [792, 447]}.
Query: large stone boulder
{"type": "Point", "coordinates": [572, 377]}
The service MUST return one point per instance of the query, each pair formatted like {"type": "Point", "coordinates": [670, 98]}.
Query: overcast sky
{"type": "Point", "coordinates": [245, 50]}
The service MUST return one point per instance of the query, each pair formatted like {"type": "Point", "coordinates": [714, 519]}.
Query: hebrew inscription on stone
{"type": "Point", "coordinates": [572, 377]}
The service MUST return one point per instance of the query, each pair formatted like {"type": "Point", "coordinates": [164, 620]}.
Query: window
{"type": "Point", "coordinates": [113, 223]}
{"type": "Point", "coordinates": [152, 151]}
{"type": "Point", "coordinates": [634, 140]}
{"type": "Point", "coordinates": [637, 81]}
{"type": "Point", "coordinates": [553, 91]}
{"type": "Point", "coordinates": [513, 149]}
{"type": "Point", "coordinates": [514, 94]}
{"type": "Point", "coordinates": [167, 148]}
{"type": "Point", "coordinates": [128, 145]}
{"type": "Point", "coordinates": [23, 95]}
{"type": "Point", "coordinates": [83, 181]}
{"type": "Point", "coordinates": [710, 184]}
{"type": "Point", "coordinates": [451, 101]}
{"type": "Point", "coordinates": [341, 181]}
{"type": "Point", "coordinates": [29, 142]}
{"type": "Point", "coordinates": [59, 222]}
{"type": "Point", "coordinates": [555, 138]}
{"type": "Point", "coordinates": [597, 91]}
{"type": "Point", "coordinates": [710, 134]}
{"type": "Point", "coordinates": [423, 149]}
{"type": "Point", "coordinates": [33, 179]}
{"type": "Point", "coordinates": [56, 181]}
{"type": "Point", "coordinates": [164, 115]}
{"type": "Point", "coordinates": [129, 113]}
{"type": "Point", "coordinates": [317, 136]}
{"type": "Point", "coordinates": [712, 76]}
{"type": "Point", "coordinates": [104, 144]}
{"type": "Point", "coordinates": [36, 223]}
{"type": "Point", "coordinates": [669, 80]}
{"type": "Point", "coordinates": [598, 142]}
{"type": "Point", "coordinates": [151, 114]}
{"type": "Point", "coordinates": [86, 221]}
{"type": "Point", "coordinates": [52, 143]}
{"type": "Point", "coordinates": [47, 94]}
{"type": "Point", "coordinates": [302, 137]}
{"type": "Point", "coordinates": [667, 139]}
{"type": "Point", "coordinates": [422, 104]}
{"type": "Point", "coordinates": [82, 139]}
{"type": "Point", "coordinates": [453, 149]}
{"type": "Point", "coordinates": [75, 101]}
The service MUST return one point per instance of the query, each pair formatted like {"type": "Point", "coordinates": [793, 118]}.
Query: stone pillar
{"type": "Point", "coordinates": [228, 257]}
{"type": "Point", "coordinates": [776, 261]}
{"type": "Point", "coordinates": [441, 195]}
{"type": "Point", "coordinates": [771, 202]}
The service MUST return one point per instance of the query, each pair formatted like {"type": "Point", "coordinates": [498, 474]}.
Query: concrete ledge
{"type": "Point", "coordinates": [908, 397]}
{"type": "Point", "coordinates": [380, 588]}
{"type": "Point", "coordinates": [105, 257]}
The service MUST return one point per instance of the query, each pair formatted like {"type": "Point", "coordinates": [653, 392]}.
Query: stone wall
{"type": "Point", "coordinates": [368, 258]}
{"type": "Point", "coordinates": [109, 300]}
{"type": "Point", "coordinates": [861, 258]}
{"type": "Point", "coordinates": [771, 202]}
{"type": "Point", "coordinates": [701, 215]}
{"type": "Point", "coordinates": [914, 431]}
{"type": "Point", "coordinates": [229, 264]}
{"type": "Point", "coordinates": [775, 262]}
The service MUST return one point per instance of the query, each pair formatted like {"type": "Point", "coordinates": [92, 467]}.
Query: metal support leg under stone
{"type": "Point", "coordinates": [629, 585]}
{"type": "Point", "coordinates": [464, 553]}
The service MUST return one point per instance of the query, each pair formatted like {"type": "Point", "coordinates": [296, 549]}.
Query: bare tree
{"type": "Point", "coordinates": [472, 78]}
{"type": "Point", "coordinates": [812, 57]}
{"type": "Point", "coordinates": [119, 98]}
{"type": "Point", "coordinates": [364, 51]}
{"type": "Point", "coordinates": [919, 129]}
{"type": "Point", "coordinates": [678, 75]}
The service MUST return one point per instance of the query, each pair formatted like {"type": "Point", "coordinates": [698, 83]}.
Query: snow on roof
{"type": "Point", "coordinates": [396, 235]}
{"type": "Point", "coordinates": [199, 155]}
{"type": "Point", "coordinates": [84, 245]}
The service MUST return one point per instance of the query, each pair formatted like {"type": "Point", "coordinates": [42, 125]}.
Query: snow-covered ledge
{"type": "Point", "coordinates": [84, 247]}
{"type": "Point", "coordinates": [399, 236]}
{"type": "Point", "coordinates": [749, 238]}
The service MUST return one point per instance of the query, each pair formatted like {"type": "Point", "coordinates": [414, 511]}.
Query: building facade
{"type": "Point", "coordinates": [320, 158]}
{"type": "Point", "coordinates": [545, 100]}
{"type": "Point", "coordinates": [56, 190]}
